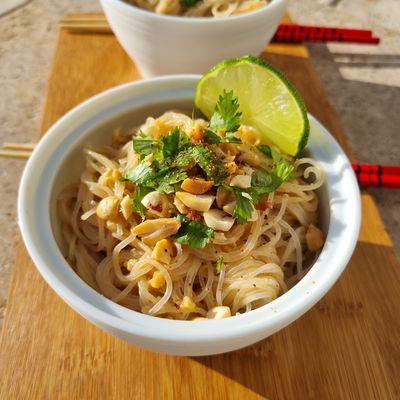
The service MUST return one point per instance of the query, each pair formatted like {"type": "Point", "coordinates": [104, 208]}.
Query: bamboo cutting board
{"type": "Point", "coordinates": [346, 347]}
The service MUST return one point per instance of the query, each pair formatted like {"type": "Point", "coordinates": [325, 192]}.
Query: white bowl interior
{"type": "Point", "coordinates": [59, 160]}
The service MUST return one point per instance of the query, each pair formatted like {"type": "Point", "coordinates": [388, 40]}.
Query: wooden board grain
{"type": "Point", "coordinates": [346, 347]}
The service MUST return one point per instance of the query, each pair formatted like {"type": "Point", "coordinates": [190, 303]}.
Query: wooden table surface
{"type": "Point", "coordinates": [346, 347]}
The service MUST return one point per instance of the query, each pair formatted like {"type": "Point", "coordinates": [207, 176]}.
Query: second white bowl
{"type": "Point", "coordinates": [166, 44]}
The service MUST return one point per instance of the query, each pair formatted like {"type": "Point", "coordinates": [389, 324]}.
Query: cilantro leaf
{"type": "Point", "coordinates": [281, 166]}
{"type": "Point", "coordinates": [207, 161]}
{"type": "Point", "coordinates": [140, 192]}
{"type": "Point", "coordinates": [143, 145]}
{"type": "Point", "coordinates": [185, 158]}
{"type": "Point", "coordinates": [220, 264]}
{"type": "Point", "coordinates": [188, 3]}
{"type": "Point", "coordinates": [170, 143]}
{"type": "Point", "coordinates": [282, 169]}
{"type": "Point", "coordinates": [211, 137]}
{"type": "Point", "coordinates": [193, 233]}
{"type": "Point", "coordinates": [226, 115]}
{"type": "Point", "coordinates": [183, 140]}
{"type": "Point", "coordinates": [260, 178]}
{"type": "Point", "coordinates": [141, 174]}
{"type": "Point", "coordinates": [230, 137]}
{"type": "Point", "coordinates": [265, 149]}
{"type": "Point", "coordinates": [245, 200]}
{"type": "Point", "coordinates": [262, 182]}
{"type": "Point", "coordinates": [172, 177]}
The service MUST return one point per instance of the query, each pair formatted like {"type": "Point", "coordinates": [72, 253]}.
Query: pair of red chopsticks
{"type": "Point", "coordinates": [387, 176]}
{"type": "Point", "coordinates": [288, 33]}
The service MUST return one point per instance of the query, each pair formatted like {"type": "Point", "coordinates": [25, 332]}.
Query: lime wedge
{"type": "Point", "coordinates": [267, 100]}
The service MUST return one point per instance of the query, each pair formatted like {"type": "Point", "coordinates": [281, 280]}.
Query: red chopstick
{"type": "Point", "coordinates": [288, 33]}
{"type": "Point", "coordinates": [386, 176]}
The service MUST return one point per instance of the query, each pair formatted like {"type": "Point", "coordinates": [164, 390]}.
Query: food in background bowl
{"type": "Point", "coordinates": [200, 8]}
{"type": "Point", "coordinates": [194, 218]}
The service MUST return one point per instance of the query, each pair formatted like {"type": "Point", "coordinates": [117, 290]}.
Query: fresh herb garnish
{"type": "Point", "coordinates": [211, 137]}
{"type": "Point", "coordinates": [231, 138]}
{"type": "Point", "coordinates": [156, 176]}
{"type": "Point", "coordinates": [262, 182]}
{"type": "Point", "coordinates": [265, 149]}
{"type": "Point", "coordinates": [142, 174]}
{"type": "Point", "coordinates": [282, 170]}
{"type": "Point", "coordinates": [207, 161]}
{"type": "Point", "coordinates": [245, 200]}
{"type": "Point", "coordinates": [140, 192]}
{"type": "Point", "coordinates": [224, 121]}
{"type": "Point", "coordinates": [226, 115]}
{"type": "Point", "coordinates": [193, 233]}
{"type": "Point", "coordinates": [219, 265]}
{"type": "Point", "coordinates": [170, 143]}
{"type": "Point", "coordinates": [188, 3]}
{"type": "Point", "coordinates": [172, 177]}
{"type": "Point", "coordinates": [159, 174]}
{"type": "Point", "coordinates": [214, 168]}
{"type": "Point", "coordinates": [143, 145]}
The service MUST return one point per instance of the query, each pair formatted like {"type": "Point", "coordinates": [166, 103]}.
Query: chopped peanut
{"type": "Point", "coordinates": [251, 158]}
{"type": "Point", "coordinates": [109, 177]}
{"type": "Point", "coordinates": [315, 238]}
{"type": "Point", "coordinates": [149, 158]}
{"type": "Point", "coordinates": [248, 134]}
{"type": "Point", "coordinates": [158, 280]}
{"type": "Point", "coordinates": [180, 206]}
{"type": "Point", "coordinates": [187, 305]}
{"type": "Point", "coordinates": [116, 174]}
{"type": "Point", "coordinates": [108, 207]}
{"type": "Point", "coordinates": [196, 186]}
{"type": "Point", "coordinates": [153, 230]}
{"type": "Point", "coordinates": [231, 167]}
{"type": "Point", "coordinates": [106, 179]}
{"type": "Point", "coordinates": [219, 312]}
{"type": "Point", "coordinates": [218, 220]}
{"type": "Point", "coordinates": [163, 251]}
{"type": "Point", "coordinates": [157, 203]}
{"type": "Point", "coordinates": [224, 196]}
{"type": "Point", "coordinates": [199, 202]}
{"type": "Point", "coordinates": [111, 226]}
{"type": "Point", "coordinates": [197, 133]}
{"type": "Point", "coordinates": [126, 207]}
{"type": "Point", "coordinates": [230, 207]}
{"type": "Point", "coordinates": [241, 181]}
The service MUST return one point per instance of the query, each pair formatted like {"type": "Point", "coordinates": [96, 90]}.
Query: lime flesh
{"type": "Point", "coordinates": [268, 101]}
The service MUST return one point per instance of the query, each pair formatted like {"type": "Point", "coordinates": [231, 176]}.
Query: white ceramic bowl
{"type": "Point", "coordinates": [165, 44]}
{"type": "Point", "coordinates": [58, 160]}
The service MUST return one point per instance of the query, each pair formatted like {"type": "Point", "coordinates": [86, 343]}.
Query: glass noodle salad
{"type": "Point", "coordinates": [192, 219]}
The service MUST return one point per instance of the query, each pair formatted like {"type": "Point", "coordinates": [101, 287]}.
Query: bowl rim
{"type": "Point", "coordinates": [270, 316]}
{"type": "Point", "coordinates": [130, 9]}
